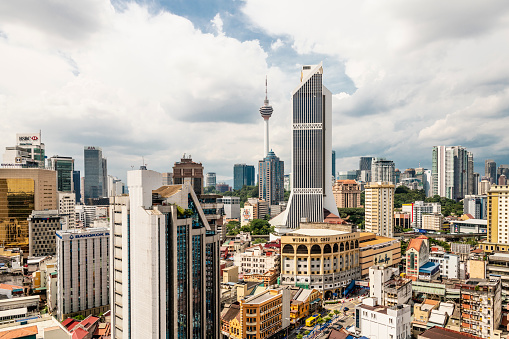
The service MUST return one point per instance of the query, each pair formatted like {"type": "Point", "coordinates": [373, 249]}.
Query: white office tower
{"type": "Point", "coordinates": [83, 271]}
{"type": "Point", "coordinates": [452, 172]}
{"type": "Point", "coordinates": [382, 170]}
{"type": "Point", "coordinates": [165, 277]}
{"type": "Point", "coordinates": [311, 197]}
{"type": "Point", "coordinates": [67, 207]}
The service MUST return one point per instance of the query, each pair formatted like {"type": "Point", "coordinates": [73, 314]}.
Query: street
{"type": "Point", "coordinates": [345, 319]}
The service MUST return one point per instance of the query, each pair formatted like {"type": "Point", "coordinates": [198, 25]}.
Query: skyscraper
{"type": "Point", "coordinates": [333, 166]}
{"type": "Point", "coordinates": [271, 172]}
{"type": "Point", "coordinates": [29, 152]}
{"type": "Point", "coordinates": [64, 167]}
{"type": "Point", "coordinates": [382, 170]}
{"type": "Point", "coordinates": [76, 182]}
{"type": "Point", "coordinates": [452, 172]}
{"type": "Point", "coordinates": [187, 168]}
{"type": "Point", "coordinates": [210, 179]}
{"type": "Point", "coordinates": [165, 265]}
{"type": "Point", "coordinates": [311, 196]}
{"type": "Point", "coordinates": [379, 206]}
{"type": "Point", "coordinates": [490, 170]}
{"type": "Point", "coordinates": [243, 175]}
{"type": "Point", "coordinates": [498, 225]}
{"type": "Point", "coordinates": [95, 173]}
{"type": "Point", "coordinates": [365, 163]}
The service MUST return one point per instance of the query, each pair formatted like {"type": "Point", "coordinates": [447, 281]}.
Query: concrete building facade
{"type": "Point", "coordinates": [347, 194]}
{"type": "Point", "coordinates": [327, 260]}
{"type": "Point", "coordinates": [83, 272]}
{"type": "Point", "coordinates": [375, 321]}
{"type": "Point", "coordinates": [379, 208]}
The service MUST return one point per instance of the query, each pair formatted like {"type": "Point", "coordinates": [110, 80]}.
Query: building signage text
{"type": "Point", "coordinates": [78, 236]}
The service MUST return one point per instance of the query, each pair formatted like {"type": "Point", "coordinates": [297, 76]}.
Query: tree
{"type": "Point", "coordinates": [299, 336]}
{"type": "Point", "coordinates": [244, 193]}
{"type": "Point", "coordinates": [326, 319]}
{"type": "Point", "coordinates": [336, 312]}
{"type": "Point", "coordinates": [354, 215]}
{"type": "Point", "coordinates": [259, 241]}
{"type": "Point", "coordinates": [232, 227]}
{"type": "Point", "coordinates": [306, 332]}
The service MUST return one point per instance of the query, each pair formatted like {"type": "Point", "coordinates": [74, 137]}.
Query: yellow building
{"type": "Point", "coordinates": [378, 250]}
{"type": "Point", "coordinates": [498, 223]}
{"type": "Point", "coordinates": [259, 316]}
{"type": "Point", "coordinates": [325, 259]}
{"type": "Point", "coordinates": [23, 190]}
{"type": "Point", "coordinates": [304, 303]}
{"type": "Point", "coordinates": [379, 208]}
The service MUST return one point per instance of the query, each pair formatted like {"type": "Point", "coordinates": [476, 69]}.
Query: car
{"type": "Point", "coordinates": [345, 309]}
{"type": "Point", "coordinates": [338, 327]}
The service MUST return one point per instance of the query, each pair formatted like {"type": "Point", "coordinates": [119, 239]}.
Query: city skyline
{"type": "Point", "coordinates": [80, 82]}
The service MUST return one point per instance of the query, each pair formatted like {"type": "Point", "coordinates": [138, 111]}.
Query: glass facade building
{"type": "Point", "coordinates": [64, 166]}
{"type": "Point", "coordinates": [243, 175]}
{"type": "Point", "coordinates": [95, 173]}
{"type": "Point", "coordinates": [271, 172]}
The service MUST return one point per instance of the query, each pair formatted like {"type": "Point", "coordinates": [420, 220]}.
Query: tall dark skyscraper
{"type": "Point", "coordinates": [64, 166]}
{"type": "Point", "coordinates": [271, 172]}
{"type": "Point", "coordinates": [334, 165]}
{"type": "Point", "coordinates": [76, 181]}
{"type": "Point", "coordinates": [96, 173]}
{"type": "Point", "coordinates": [490, 170]}
{"type": "Point", "coordinates": [243, 175]}
{"type": "Point", "coordinates": [365, 163]}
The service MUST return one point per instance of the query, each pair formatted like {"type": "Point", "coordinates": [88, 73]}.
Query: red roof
{"type": "Point", "coordinates": [10, 287]}
{"type": "Point", "coordinates": [89, 321]}
{"type": "Point", "coordinates": [70, 323]}
{"type": "Point", "coordinates": [79, 333]}
{"type": "Point", "coordinates": [416, 243]}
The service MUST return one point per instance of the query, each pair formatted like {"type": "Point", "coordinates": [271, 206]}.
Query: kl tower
{"type": "Point", "coordinates": [266, 112]}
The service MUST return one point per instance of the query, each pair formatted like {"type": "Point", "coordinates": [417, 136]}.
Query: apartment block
{"type": "Point", "coordinates": [379, 207]}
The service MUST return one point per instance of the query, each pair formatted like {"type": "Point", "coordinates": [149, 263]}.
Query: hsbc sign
{"type": "Point", "coordinates": [29, 139]}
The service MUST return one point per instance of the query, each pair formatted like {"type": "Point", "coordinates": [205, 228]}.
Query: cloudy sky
{"type": "Point", "coordinates": [157, 79]}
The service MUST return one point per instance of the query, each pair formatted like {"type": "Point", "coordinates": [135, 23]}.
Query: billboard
{"type": "Point", "coordinates": [28, 139]}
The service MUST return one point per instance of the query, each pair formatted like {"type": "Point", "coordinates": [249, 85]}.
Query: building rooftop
{"type": "Point", "coordinates": [316, 232]}
{"type": "Point", "coordinates": [167, 191]}
{"type": "Point", "coordinates": [416, 243]}
{"type": "Point", "coordinates": [429, 267]}
{"type": "Point", "coordinates": [19, 332]}
{"type": "Point", "coordinates": [437, 332]}
{"type": "Point", "coordinates": [471, 222]}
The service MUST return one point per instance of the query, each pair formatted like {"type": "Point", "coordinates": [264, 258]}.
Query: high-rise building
{"type": "Point", "coordinates": [187, 168]}
{"type": "Point", "coordinates": [502, 179]}
{"type": "Point", "coordinates": [95, 173]}
{"type": "Point", "coordinates": [490, 170]}
{"type": "Point", "coordinates": [29, 152]}
{"type": "Point", "coordinates": [115, 186]}
{"type": "Point", "coordinates": [347, 194]}
{"type": "Point", "coordinates": [503, 169]}
{"type": "Point", "coordinates": [83, 272]}
{"type": "Point", "coordinates": [23, 190]}
{"type": "Point", "coordinates": [42, 226]}
{"type": "Point", "coordinates": [476, 205]}
{"type": "Point", "coordinates": [498, 225]}
{"type": "Point", "coordinates": [311, 197]}
{"type": "Point", "coordinates": [76, 182]}
{"type": "Point", "coordinates": [452, 172]}
{"type": "Point", "coordinates": [333, 165]}
{"type": "Point", "coordinates": [231, 207]}
{"type": "Point", "coordinates": [64, 166]}
{"type": "Point", "coordinates": [165, 263]}
{"type": "Point", "coordinates": [67, 208]}
{"type": "Point", "coordinates": [210, 179]}
{"type": "Point", "coordinates": [243, 175]}
{"type": "Point", "coordinates": [365, 163]}
{"type": "Point", "coordinates": [379, 208]}
{"type": "Point", "coordinates": [167, 178]}
{"type": "Point", "coordinates": [382, 170]}
{"type": "Point", "coordinates": [477, 180]}
{"type": "Point", "coordinates": [271, 172]}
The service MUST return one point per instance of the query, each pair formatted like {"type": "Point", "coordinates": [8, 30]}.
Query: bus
{"type": "Point", "coordinates": [311, 321]}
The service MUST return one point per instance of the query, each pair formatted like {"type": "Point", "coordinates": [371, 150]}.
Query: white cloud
{"type": "Point", "coordinates": [133, 82]}
{"type": "Point", "coordinates": [413, 63]}
{"type": "Point", "coordinates": [277, 44]}
{"type": "Point", "coordinates": [217, 22]}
